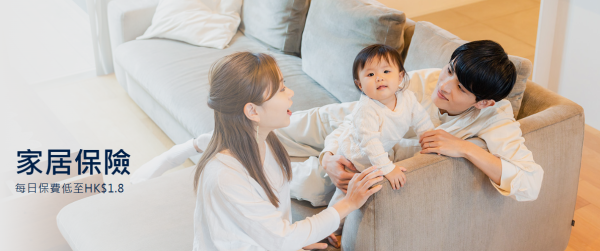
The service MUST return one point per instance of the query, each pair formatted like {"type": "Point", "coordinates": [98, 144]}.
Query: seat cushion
{"type": "Point", "coordinates": [157, 214]}
{"type": "Point", "coordinates": [432, 47]}
{"type": "Point", "coordinates": [175, 74]}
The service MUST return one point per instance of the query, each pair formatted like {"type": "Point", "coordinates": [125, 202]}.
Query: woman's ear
{"type": "Point", "coordinates": [357, 83]}
{"type": "Point", "coordinates": [484, 103]}
{"type": "Point", "coordinates": [251, 112]}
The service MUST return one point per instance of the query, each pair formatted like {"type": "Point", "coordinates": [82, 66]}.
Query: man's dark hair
{"type": "Point", "coordinates": [378, 52]}
{"type": "Point", "coordinates": [484, 69]}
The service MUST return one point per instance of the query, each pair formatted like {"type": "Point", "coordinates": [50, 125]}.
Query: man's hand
{"type": "Point", "coordinates": [335, 166]}
{"type": "Point", "coordinates": [441, 142]}
{"type": "Point", "coordinates": [397, 177]}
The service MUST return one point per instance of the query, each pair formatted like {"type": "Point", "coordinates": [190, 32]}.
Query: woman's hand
{"type": "Point", "coordinates": [441, 142]}
{"type": "Point", "coordinates": [359, 190]}
{"type": "Point", "coordinates": [335, 166]}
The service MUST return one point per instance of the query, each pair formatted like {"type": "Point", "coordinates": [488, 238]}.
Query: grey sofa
{"type": "Point", "coordinates": [449, 205]}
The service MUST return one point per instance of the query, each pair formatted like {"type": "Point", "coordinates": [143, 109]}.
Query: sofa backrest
{"type": "Point", "coordinates": [432, 47]}
{"type": "Point", "coordinates": [276, 23]}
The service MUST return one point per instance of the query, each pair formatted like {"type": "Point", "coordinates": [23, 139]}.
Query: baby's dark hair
{"type": "Point", "coordinates": [378, 52]}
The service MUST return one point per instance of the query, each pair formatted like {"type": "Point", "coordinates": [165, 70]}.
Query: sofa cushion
{"type": "Point", "coordinates": [336, 30]}
{"type": "Point", "coordinates": [175, 74]}
{"type": "Point", "coordinates": [277, 23]}
{"type": "Point", "coordinates": [432, 47]}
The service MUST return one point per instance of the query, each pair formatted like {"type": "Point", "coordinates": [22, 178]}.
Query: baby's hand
{"type": "Point", "coordinates": [397, 177]}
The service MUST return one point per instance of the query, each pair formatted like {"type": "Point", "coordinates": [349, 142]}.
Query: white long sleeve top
{"type": "Point", "coordinates": [374, 129]}
{"type": "Point", "coordinates": [234, 213]}
{"type": "Point", "coordinates": [521, 177]}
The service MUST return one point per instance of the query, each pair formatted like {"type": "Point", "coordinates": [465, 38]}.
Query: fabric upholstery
{"type": "Point", "coordinates": [127, 20]}
{"type": "Point", "coordinates": [276, 23]}
{"type": "Point", "coordinates": [433, 46]}
{"type": "Point", "coordinates": [449, 198]}
{"type": "Point", "coordinates": [175, 74]}
{"type": "Point", "coordinates": [334, 34]}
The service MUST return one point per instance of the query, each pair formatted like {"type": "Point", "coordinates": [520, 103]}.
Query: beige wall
{"type": "Point", "coordinates": [416, 8]}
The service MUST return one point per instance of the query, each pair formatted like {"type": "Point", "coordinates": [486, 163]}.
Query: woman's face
{"type": "Point", "coordinates": [275, 113]}
{"type": "Point", "coordinates": [450, 95]}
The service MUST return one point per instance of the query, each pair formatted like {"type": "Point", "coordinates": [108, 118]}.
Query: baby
{"type": "Point", "coordinates": [382, 116]}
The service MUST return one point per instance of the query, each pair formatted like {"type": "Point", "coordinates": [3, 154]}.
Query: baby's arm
{"type": "Point", "coordinates": [421, 122]}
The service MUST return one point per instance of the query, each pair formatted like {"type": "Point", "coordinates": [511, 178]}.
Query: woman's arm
{"type": "Point", "coordinates": [235, 198]}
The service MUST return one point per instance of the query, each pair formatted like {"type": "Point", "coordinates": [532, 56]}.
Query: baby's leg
{"type": "Point", "coordinates": [310, 183]}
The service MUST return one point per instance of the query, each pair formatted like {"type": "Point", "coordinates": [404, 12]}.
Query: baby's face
{"type": "Point", "coordinates": [380, 80]}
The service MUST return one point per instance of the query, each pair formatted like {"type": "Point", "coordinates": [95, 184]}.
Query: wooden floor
{"type": "Point", "coordinates": [513, 24]}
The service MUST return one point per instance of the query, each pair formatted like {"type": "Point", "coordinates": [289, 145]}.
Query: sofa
{"type": "Point", "coordinates": [449, 204]}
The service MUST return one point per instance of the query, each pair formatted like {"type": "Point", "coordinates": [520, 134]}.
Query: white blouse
{"type": "Point", "coordinates": [521, 177]}
{"type": "Point", "coordinates": [375, 129]}
{"type": "Point", "coordinates": [234, 213]}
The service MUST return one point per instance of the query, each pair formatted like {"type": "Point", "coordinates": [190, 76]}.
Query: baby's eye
{"type": "Point", "coordinates": [386, 71]}
{"type": "Point", "coordinates": [370, 74]}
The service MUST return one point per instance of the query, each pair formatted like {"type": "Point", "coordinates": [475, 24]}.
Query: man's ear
{"type": "Point", "coordinates": [357, 83]}
{"type": "Point", "coordinates": [484, 103]}
{"type": "Point", "coordinates": [251, 112]}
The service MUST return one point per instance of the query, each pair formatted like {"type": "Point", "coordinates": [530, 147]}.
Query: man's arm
{"type": "Point", "coordinates": [508, 164]}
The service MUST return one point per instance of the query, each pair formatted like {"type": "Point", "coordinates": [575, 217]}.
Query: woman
{"type": "Point", "coordinates": [242, 180]}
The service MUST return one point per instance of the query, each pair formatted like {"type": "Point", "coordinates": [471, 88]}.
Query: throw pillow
{"type": "Point", "coordinates": [276, 23]}
{"type": "Point", "coordinates": [197, 22]}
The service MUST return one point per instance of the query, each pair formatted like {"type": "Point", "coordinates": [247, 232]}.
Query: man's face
{"type": "Point", "coordinates": [450, 95]}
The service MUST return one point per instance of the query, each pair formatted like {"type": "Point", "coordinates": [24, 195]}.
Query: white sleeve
{"type": "Point", "coordinates": [331, 141]}
{"type": "Point", "coordinates": [203, 140]}
{"type": "Point", "coordinates": [366, 130]}
{"type": "Point", "coordinates": [421, 122]}
{"type": "Point", "coordinates": [260, 220]}
{"type": "Point", "coordinates": [521, 177]}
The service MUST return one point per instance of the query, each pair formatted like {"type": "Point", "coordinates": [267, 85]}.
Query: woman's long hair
{"type": "Point", "coordinates": [236, 80]}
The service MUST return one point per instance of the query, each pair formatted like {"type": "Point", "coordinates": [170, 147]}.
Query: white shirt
{"type": "Point", "coordinates": [374, 129]}
{"type": "Point", "coordinates": [234, 213]}
{"type": "Point", "coordinates": [521, 177]}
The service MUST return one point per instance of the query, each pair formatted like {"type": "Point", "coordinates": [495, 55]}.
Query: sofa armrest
{"type": "Point", "coordinates": [128, 19]}
{"type": "Point", "coordinates": [542, 107]}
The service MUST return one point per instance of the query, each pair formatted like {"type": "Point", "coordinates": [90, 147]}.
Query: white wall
{"type": "Point", "coordinates": [568, 53]}
{"type": "Point", "coordinates": [414, 8]}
